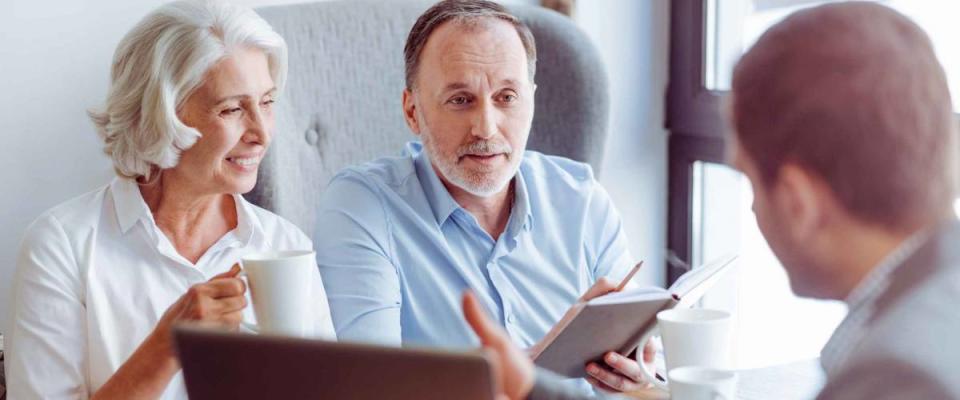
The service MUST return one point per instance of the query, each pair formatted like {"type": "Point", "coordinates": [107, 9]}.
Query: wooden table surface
{"type": "Point", "coordinates": [800, 380]}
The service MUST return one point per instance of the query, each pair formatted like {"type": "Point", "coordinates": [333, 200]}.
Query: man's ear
{"type": "Point", "coordinates": [804, 199]}
{"type": "Point", "coordinates": [410, 111]}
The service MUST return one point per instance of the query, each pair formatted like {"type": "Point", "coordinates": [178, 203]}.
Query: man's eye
{"type": "Point", "coordinates": [509, 98]}
{"type": "Point", "coordinates": [459, 100]}
{"type": "Point", "coordinates": [267, 103]}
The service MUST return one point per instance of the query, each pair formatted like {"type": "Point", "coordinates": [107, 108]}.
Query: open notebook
{"type": "Point", "coordinates": [617, 321]}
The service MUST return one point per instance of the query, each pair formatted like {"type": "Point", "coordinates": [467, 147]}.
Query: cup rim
{"type": "Point", "coordinates": [277, 254]}
{"type": "Point", "coordinates": [699, 315]}
{"type": "Point", "coordinates": [692, 374]}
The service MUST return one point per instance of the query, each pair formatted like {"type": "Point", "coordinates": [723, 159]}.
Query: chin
{"type": "Point", "coordinates": [486, 187]}
{"type": "Point", "coordinates": [807, 286]}
{"type": "Point", "coordinates": [241, 187]}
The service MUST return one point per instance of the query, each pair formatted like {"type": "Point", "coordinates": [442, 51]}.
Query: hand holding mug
{"type": "Point", "coordinates": [217, 302]}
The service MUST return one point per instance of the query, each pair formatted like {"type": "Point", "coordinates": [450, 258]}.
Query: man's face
{"type": "Point", "coordinates": [472, 104]}
{"type": "Point", "coordinates": [780, 224]}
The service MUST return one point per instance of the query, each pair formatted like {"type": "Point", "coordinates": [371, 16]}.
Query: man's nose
{"type": "Point", "coordinates": [485, 121]}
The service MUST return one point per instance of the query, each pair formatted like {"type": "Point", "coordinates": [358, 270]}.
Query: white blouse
{"type": "Point", "coordinates": [94, 276]}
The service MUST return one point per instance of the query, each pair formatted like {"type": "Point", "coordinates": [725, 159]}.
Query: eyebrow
{"type": "Point", "coordinates": [461, 85]}
{"type": "Point", "coordinates": [240, 96]}
{"type": "Point", "coordinates": [455, 86]}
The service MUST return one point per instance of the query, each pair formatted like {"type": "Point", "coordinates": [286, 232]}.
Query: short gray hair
{"type": "Point", "coordinates": [159, 63]}
{"type": "Point", "coordinates": [462, 12]}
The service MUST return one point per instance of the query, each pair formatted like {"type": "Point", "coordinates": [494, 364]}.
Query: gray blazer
{"type": "Point", "coordinates": [911, 345]}
{"type": "Point", "coordinates": [911, 348]}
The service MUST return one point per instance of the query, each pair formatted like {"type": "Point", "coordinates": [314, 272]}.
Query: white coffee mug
{"type": "Point", "coordinates": [280, 284]}
{"type": "Point", "coordinates": [702, 383]}
{"type": "Point", "coordinates": [691, 337]}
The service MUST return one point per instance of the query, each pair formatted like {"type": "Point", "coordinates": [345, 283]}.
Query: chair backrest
{"type": "Point", "coordinates": [342, 104]}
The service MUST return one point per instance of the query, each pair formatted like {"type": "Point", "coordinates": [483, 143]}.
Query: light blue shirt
{"type": "Point", "coordinates": [396, 251]}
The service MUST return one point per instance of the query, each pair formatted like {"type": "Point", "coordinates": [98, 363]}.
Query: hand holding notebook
{"type": "Point", "coordinates": [617, 320]}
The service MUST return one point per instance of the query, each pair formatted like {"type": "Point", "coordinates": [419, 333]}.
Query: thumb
{"type": "Point", "coordinates": [600, 288]}
{"type": "Point", "coordinates": [232, 273]}
{"type": "Point", "coordinates": [478, 320]}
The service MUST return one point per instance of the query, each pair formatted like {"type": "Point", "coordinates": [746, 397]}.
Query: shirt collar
{"type": "Point", "coordinates": [872, 285]}
{"type": "Point", "coordinates": [860, 303]}
{"type": "Point", "coordinates": [128, 203]}
{"type": "Point", "coordinates": [131, 208]}
{"type": "Point", "coordinates": [248, 224]}
{"type": "Point", "coordinates": [442, 204]}
{"type": "Point", "coordinates": [521, 202]}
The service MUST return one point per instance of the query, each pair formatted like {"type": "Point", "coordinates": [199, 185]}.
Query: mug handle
{"type": "Point", "coordinates": [244, 325]}
{"type": "Point", "coordinates": [652, 377]}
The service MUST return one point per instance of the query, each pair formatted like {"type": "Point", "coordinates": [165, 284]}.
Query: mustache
{"type": "Point", "coordinates": [484, 148]}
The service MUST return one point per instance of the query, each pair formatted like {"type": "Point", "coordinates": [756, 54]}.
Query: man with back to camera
{"type": "Point", "coordinates": [842, 122]}
{"type": "Point", "coordinates": [400, 238]}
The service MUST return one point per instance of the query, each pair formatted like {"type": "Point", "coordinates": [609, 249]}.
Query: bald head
{"type": "Point", "coordinates": [853, 93]}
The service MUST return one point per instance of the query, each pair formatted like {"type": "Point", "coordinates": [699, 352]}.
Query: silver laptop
{"type": "Point", "coordinates": [218, 365]}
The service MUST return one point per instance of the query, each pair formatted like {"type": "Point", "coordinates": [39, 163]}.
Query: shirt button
{"type": "Point", "coordinates": [511, 319]}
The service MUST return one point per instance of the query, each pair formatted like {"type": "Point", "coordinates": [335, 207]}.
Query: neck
{"type": "Point", "coordinates": [492, 212]}
{"type": "Point", "coordinates": [861, 251]}
{"type": "Point", "coordinates": [192, 220]}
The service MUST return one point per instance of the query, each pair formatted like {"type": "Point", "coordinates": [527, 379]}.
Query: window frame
{"type": "Point", "coordinates": [695, 124]}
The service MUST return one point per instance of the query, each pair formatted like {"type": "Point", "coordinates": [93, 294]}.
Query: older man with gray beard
{"type": "Point", "coordinates": [401, 238]}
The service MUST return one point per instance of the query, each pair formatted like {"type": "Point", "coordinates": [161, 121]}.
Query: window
{"type": "Point", "coordinates": [734, 25]}
{"type": "Point", "coordinates": [709, 210]}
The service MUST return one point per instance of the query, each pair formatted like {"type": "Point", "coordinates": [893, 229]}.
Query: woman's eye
{"type": "Point", "coordinates": [231, 111]}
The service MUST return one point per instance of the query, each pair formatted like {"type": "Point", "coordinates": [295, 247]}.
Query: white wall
{"type": "Point", "coordinates": [54, 65]}
{"type": "Point", "coordinates": [633, 39]}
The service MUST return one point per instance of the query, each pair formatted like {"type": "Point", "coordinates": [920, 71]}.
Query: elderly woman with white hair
{"type": "Point", "coordinates": [102, 278]}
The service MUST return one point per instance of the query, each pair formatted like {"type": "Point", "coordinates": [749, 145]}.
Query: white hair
{"type": "Point", "coordinates": [159, 63]}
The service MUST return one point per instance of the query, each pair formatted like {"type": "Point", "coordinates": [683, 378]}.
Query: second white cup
{"type": "Point", "coordinates": [702, 383]}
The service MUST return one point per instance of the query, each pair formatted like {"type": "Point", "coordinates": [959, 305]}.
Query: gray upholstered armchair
{"type": "Point", "coordinates": [343, 99]}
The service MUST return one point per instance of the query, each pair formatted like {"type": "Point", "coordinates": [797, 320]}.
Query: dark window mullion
{"type": "Point", "coordinates": [695, 123]}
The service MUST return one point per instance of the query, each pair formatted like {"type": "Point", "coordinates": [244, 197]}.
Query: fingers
{"type": "Point", "coordinates": [612, 380]}
{"type": "Point", "coordinates": [476, 317]}
{"type": "Point", "coordinates": [221, 287]}
{"type": "Point", "coordinates": [600, 288]}
{"type": "Point", "coordinates": [231, 319]}
{"type": "Point", "coordinates": [232, 273]}
{"type": "Point", "coordinates": [649, 352]}
{"type": "Point", "coordinates": [624, 365]}
{"type": "Point", "coordinates": [600, 385]}
{"type": "Point", "coordinates": [231, 304]}
{"type": "Point", "coordinates": [220, 300]}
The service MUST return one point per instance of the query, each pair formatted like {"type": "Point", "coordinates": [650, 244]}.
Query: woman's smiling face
{"type": "Point", "coordinates": [233, 111]}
